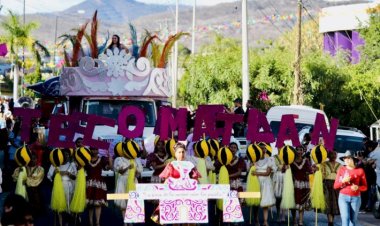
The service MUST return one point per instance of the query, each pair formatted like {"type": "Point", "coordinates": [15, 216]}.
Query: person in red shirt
{"type": "Point", "coordinates": [350, 181]}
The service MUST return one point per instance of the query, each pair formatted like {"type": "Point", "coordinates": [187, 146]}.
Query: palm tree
{"type": "Point", "coordinates": [17, 36]}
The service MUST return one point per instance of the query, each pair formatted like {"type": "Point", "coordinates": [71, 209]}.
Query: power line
{"type": "Point", "coordinates": [265, 16]}
{"type": "Point", "coordinates": [278, 13]}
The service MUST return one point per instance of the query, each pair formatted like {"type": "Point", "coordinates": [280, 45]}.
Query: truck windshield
{"type": "Point", "coordinates": [111, 109]}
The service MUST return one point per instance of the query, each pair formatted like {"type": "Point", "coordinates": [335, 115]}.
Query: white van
{"type": "Point", "coordinates": [303, 116]}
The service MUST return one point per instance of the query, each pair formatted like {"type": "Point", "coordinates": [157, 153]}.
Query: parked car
{"type": "Point", "coordinates": [346, 139]}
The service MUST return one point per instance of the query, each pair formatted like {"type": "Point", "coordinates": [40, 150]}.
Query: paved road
{"type": "Point", "coordinates": [111, 216]}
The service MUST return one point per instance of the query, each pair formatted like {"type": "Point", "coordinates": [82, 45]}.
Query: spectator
{"type": "Point", "coordinates": [2, 108]}
{"type": "Point", "coordinates": [16, 212]}
{"type": "Point", "coordinates": [375, 157]}
{"type": "Point", "coordinates": [249, 105]}
{"type": "Point", "coordinates": [238, 127]}
{"type": "Point", "coordinates": [11, 105]}
{"type": "Point", "coordinates": [351, 182]}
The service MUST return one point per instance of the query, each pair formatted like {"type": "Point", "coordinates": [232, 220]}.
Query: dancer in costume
{"type": "Point", "coordinates": [329, 170]}
{"type": "Point", "coordinates": [156, 161]}
{"type": "Point", "coordinates": [68, 171]}
{"type": "Point", "coordinates": [171, 172]}
{"type": "Point", "coordinates": [301, 169]}
{"type": "Point", "coordinates": [96, 188]}
{"type": "Point", "coordinates": [278, 185]}
{"type": "Point", "coordinates": [350, 181]}
{"type": "Point", "coordinates": [264, 167]}
{"type": "Point", "coordinates": [122, 166]}
{"type": "Point", "coordinates": [180, 155]}
{"type": "Point", "coordinates": [35, 175]}
{"type": "Point", "coordinates": [235, 168]}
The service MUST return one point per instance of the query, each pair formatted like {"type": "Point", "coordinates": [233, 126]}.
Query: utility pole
{"type": "Point", "coordinates": [193, 32]}
{"type": "Point", "coordinates": [23, 57]}
{"type": "Point", "coordinates": [244, 40]}
{"type": "Point", "coordinates": [297, 91]}
{"type": "Point", "coordinates": [55, 41]}
{"type": "Point", "coordinates": [175, 75]}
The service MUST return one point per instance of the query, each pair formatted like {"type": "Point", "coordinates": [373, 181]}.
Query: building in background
{"type": "Point", "coordinates": [339, 26]}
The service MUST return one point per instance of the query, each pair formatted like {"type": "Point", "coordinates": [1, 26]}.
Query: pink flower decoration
{"type": "Point", "coordinates": [263, 95]}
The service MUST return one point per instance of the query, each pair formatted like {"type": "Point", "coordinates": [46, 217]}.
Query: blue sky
{"type": "Point", "coordinates": [33, 6]}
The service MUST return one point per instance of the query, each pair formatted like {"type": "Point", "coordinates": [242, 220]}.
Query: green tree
{"type": "Point", "coordinates": [214, 76]}
{"type": "Point", "coordinates": [371, 35]}
{"type": "Point", "coordinates": [17, 36]}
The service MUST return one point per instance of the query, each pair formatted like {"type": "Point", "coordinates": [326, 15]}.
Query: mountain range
{"type": "Point", "coordinates": [267, 19]}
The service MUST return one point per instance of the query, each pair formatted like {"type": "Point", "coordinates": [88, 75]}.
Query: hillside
{"type": "Point", "coordinates": [267, 19]}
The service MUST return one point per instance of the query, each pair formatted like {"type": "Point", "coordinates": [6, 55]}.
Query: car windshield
{"type": "Point", "coordinates": [111, 109]}
{"type": "Point", "coordinates": [275, 126]}
{"type": "Point", "coordinates": [344, 143]}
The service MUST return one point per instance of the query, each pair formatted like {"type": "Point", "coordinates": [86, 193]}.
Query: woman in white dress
{"type": "Point", "coordinates": [278, 184]}
{"type": "Point", "coordinates": [264, 167]}
{"type": "Point", "coordinates": [68, 173]}
{"type": "Point", "coordinates": [122, 166]}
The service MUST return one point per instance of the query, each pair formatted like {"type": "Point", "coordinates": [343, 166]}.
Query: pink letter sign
{"type": "Point", "coordinates": [94, 120]}
{"type": "Point", "coordinates": [205, 121]}
{"type": "Point", "coordinates": [77, 118]}
{"type": "Point", "coordinates": [256, 121]}
{"type": "Point", "coordinates": [61, 125]}
{"type": "Point", "coordinates": [320, 127]}
{"type": "Point", "coordinates": [124, 120]}
{"type": "Point", "coordinates": [26, 116]}
{"type": "Point", "coordinates": [229, 120]}
{"type": "Point", "coordinates": [288, 131]}
{"type": "Point", "coordinates": [169, 120]}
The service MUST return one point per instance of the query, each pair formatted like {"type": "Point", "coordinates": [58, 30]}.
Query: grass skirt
{"type": "Point", "coordinates": [78, 202]}
{"type": "Point", "coordinates": [224, 178]}
{"type": "Point", "coordinates": [317, 195]}
{"type": "Point", "coordinates": [201, 167]}
{"type": "Point", "coordinates": [288, 201]}
{"type": "Point", "coordinates": [253, 185]}
{"type": "Point", "coordinates": [58, 199]}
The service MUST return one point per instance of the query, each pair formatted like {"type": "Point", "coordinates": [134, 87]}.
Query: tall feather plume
{"type": "Point", "coordinates": [77, 46]}
{"type": "Point", "coordinates": [156, 53]}
{"type": "Point", "coordinates": [102, 48]}
{"type": "Point", "coordinates": [147, 40]}
{"type": "Point", "coordinates": [135, 47]}
{"type": "Point", "coordinates": [94, 33]}
{"type": "Point", "coordinates": [67, 59]}
{"type": "Point", "coordinates": [167, 47]}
